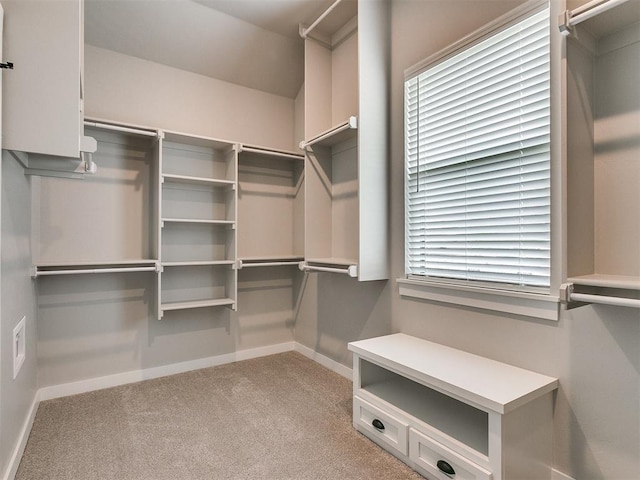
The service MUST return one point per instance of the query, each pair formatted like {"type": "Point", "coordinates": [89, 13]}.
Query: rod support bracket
{"type": "Point", "coordinates": [564, 23]}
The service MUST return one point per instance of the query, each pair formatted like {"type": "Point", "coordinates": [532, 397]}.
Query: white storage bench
{"type": "Point", "coordinates": [451, 414]}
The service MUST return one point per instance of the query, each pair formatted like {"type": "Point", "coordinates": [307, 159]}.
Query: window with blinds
{"type": "Point", "coordinates": [477, 152]}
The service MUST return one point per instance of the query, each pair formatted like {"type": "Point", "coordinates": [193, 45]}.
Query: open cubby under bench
{"type": "Point", "coordinates": [452, 414]}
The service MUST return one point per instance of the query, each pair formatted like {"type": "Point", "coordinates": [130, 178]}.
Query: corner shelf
{"type": "Point", "coordinates": [189, 180]}
{"type": "Point", "coordinates": [220, 302]}
{"type": "Point", "coordinates": [277, 154]}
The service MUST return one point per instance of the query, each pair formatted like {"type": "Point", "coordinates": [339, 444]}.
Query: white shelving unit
{"type": "Point", "coordinates": [197, 206]}
{"type": "Point", "coordinates": [186, 187]}
{"type": "Point", "coordinates": [603, 167]}
{"type": "Point", "coordinates": [346, 91]}
{"type": "Point", "coordinates": [452, 414]}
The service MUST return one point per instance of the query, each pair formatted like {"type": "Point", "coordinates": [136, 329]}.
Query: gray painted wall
{"type": "Point", "coordinates": [594, 351]}
{"type": "Point", "coordinates": [334, 309]}
{"type": "Point", "coordinates": [17, 300]}
{"type": "Point", "coordinates": [127, 89]}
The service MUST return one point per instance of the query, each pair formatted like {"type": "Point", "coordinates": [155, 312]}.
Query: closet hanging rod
{"type": "Point", "coordinates": [348, 125]}
{"type": "Point", "coordinates": [585, 12]}
{"type": "Point", "coordinates": [351, 270]}
{"type": "Point", "coordinates": [275, 153]}
{"type": "Point", "coordinates": [304, 32]}
{"type": "Point", "coordinates": [117, 128]}
{"type": "Point", "coordinates": [243, 264]}
{"type": "Point", "coordinates": [604, 300]}
{"type": "Point", "coordinates": [39, 273]}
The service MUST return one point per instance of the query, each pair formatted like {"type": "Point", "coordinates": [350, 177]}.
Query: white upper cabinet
{"type": "Point", "coordinates": [42, 95]}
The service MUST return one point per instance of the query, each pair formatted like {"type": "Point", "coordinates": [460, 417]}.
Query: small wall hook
{"type": "Point", "coordinates": [8, 65]}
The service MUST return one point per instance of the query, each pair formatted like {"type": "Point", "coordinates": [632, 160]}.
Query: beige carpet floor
{"type": "Point", "coordinates": [277, 417]}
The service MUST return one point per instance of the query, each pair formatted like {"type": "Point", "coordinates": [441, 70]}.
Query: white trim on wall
{"type": "Point", "coordinates": [92, 384]}
{"type": "Point", "coordinates": [16, 456]}
{"type": "Point", "coordinates": [325, 361]}
{"type": "Point", "coordinates": [557, 475]}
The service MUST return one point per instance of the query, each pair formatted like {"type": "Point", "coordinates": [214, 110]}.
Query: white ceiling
{"type": "Point", "coordinates": [254, 43]}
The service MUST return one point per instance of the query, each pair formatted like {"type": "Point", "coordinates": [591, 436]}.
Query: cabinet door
{"type": "Point", "coordinates": [42, 107]}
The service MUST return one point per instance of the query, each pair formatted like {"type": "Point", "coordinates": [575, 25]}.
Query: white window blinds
{"type": "Point", "coordinates": [477, 151]}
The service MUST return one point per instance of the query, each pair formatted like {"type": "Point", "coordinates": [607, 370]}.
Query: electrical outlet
{"type": "Point", "coordinates": [19, 344]}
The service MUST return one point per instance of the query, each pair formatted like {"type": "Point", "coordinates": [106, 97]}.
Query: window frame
{"type": "Point", "coordinates": [528, 301]}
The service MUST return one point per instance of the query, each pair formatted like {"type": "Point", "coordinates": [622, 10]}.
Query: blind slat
{"type": "Point", "coordinates": [477, 153]}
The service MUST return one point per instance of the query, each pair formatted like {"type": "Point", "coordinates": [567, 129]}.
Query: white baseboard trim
{"type": "Point", "coordinates": [557, 475]}
{"type": "Point", "coordinates": [16, 456]}
{"type": "Point", "coordinates": [324, 361]}
{"type": "Point", "coordinates": [108, 381]}
{"type": "Point", "coordinates": [91, 384]}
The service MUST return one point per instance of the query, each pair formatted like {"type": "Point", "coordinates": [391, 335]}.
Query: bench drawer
{"type": "Point", "coordinates": [436, 460]}
{"type": "Point", "coordinates": [380, 426]}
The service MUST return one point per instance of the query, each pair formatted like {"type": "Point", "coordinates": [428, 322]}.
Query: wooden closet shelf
{"type": "Point", "coordinates": [345, 262]}
{"type": "Point", "coordinates": [278, 154]}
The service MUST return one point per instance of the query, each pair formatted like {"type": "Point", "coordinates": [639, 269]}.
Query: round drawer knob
{"type": "Point", "coordinates": [445, 467]}
{"type": "Point", "coordinates": [377, 424]}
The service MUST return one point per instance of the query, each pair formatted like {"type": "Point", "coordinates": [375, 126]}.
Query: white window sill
{"type": "Point", "coordinates": [542, 306]}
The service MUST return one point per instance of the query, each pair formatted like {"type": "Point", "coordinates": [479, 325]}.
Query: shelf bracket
{"type": "Point", "coordinates": [351, 270]}
{"type": "Point", "coordinates": [564, 23]}
{"type": "Point", "coordinates": [565, 292]}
